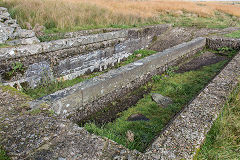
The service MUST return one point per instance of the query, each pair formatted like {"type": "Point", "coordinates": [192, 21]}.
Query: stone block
{"type": "Point", "coordinates": [24, 41]}
{"type": "Point", "coordinates": [5, 32]}
{"type": "Point", "coordinates": [39, 73]}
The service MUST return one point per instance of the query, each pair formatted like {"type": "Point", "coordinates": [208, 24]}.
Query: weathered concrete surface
{"type": "Point", "coordinates": [216, 42]}
{"type": "Point", "coordinates": [185, 134]}
{"type": "Point", "coordinates": [70, 58]}
{"type": "Point", "coordinates": [42, 135]}
{"type": "Point", "coordinates": [25, 135]}
{"type": "Point", "coordinates": [76, 99]}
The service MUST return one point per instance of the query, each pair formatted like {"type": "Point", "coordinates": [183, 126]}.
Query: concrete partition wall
{"type": "Point", "coordinates": [72, 57]}
{"type": "Point", "coordinates": [219, 42]}
{"type": "Point", "coordinates": [78, 99]}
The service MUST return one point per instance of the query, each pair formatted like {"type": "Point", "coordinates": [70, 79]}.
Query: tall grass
{"type": "Point", "coordinates": [83, 14]}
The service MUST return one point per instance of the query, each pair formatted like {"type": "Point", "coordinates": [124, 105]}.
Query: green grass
{"type": "Point", "coordinates": [54, 86]}
{"type": "Point", "coordinates": [49, 37]}
{"type": "Point", "coordinates": [181, 88]}
{"type": "Point", "coordinates": [3, 154]}
{"type": "Point", "coordinates": [233, 34]}
{"type": "Point", "coordinates": [2, 45]}
{"type": "Point", "coordinates": [223, 140]}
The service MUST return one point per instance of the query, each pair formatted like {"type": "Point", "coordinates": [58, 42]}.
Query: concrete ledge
{"type": "Point", "coordinates": [67, 101]}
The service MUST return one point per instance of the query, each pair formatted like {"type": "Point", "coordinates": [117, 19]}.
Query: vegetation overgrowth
{"type": "Point", "coordinates": [3, 45]}
{"type": "Point", "coordinates": [180, 87]}
{"type": "Point", "coordinates": [235, 34]}
{"type": "Point", "coordinates": [72, 15]}
{"type": "Point", "coordinates": [3, 154]}
{"type": "Point", "coordinates": [223, 141]}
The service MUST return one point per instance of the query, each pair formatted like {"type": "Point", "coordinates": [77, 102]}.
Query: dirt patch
{"type": "Point", "coordinates": [204, 59]}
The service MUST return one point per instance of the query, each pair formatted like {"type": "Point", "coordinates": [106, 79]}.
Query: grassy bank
{"type": "Point", "coordinates": [180, 87]}
{"type": "Point", "coordinates": [72, 15]}
{"type": "Point", "coordinates": [223, 140]}
{"type": "Point", "coordinates": [52, 87]}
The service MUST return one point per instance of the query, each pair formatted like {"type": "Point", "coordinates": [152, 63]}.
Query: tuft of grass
{"type": "Point", "coordinates": [49, 37]}
{"type": "Point", "coordinates": [138, 54]}
{"type": "Point", "coordinates": [54, 86]}
{"type": "Point", "coordinates": [2, 45]}
{"type": "Point", "coordinates": [180, 87]}
{"type": "Point", "coordinates": [235, 34]}
{"type": "Point", "coordinates": [226, 51]}
{"type": "Point", "coordinates": [3, 154]}
{"type": "Point", "coordinates": [223, 141]}
{"type": "Point", "coordinates": [14, 91]}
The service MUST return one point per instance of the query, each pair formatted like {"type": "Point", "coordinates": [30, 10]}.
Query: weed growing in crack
{"type": "Point", "coordinates": [16, 67]}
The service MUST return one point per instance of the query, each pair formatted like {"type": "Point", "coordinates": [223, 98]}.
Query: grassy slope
{"type": "Point", "coordinates": [180, 87]}
{"type": "Point", "coordinates": [223, 140]}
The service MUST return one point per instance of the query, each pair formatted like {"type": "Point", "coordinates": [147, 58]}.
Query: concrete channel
{"type": "Point", "coordinates": [183, 136]}
{"type": "Point", "coordinates": [108, 86]}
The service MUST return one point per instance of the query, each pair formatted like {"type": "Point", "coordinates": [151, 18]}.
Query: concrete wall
{"type": "Point", "coordinates": [86, 97]}
{"type": "Point", "coordinates": [70, 58]}
{"type": "Point", "coordinates": [219, 42]}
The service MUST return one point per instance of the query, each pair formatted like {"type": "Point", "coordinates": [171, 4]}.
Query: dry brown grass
{"type": "Point", "coordinates": [100, 13]}
{"type": "Point", "coordinates": [151, 8]}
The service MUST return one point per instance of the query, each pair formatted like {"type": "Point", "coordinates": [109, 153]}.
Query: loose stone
{"type": "Point", "coordinates": [161, 100]}
{"type": "Point", "coordinates": [137, 117]}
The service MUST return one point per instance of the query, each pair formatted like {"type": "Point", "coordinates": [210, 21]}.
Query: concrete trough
{"type": "Point", "coordinates": [181, 138]}
{"type": "Point", "coordinates": [78, 98]}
